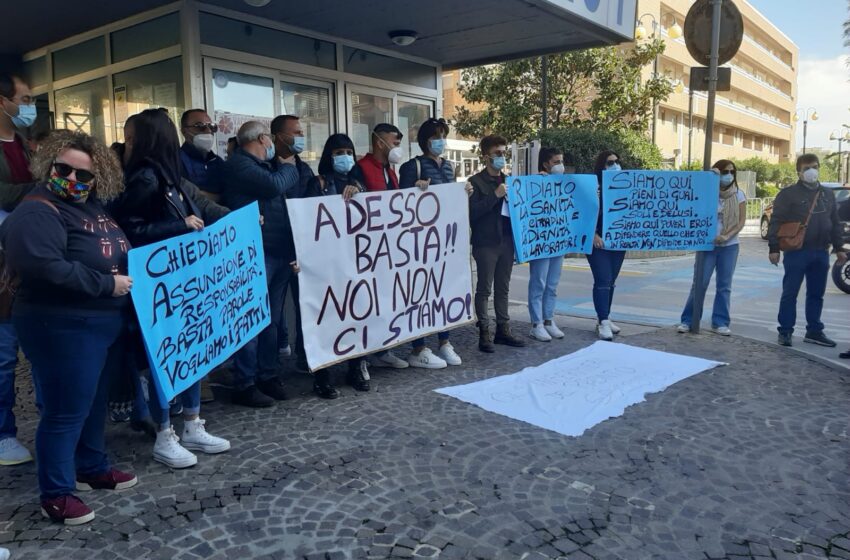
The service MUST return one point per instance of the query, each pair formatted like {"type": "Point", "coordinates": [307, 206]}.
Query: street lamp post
{"type": "Point", "coordinates": [836, 135]}
{"type": "Point", "coordinates": [674, 32]}
{"type": "Point", "coordinates": [812, 113]}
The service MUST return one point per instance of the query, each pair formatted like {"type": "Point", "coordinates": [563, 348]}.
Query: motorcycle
{"type": "Point", "coordinates": [841, 275]}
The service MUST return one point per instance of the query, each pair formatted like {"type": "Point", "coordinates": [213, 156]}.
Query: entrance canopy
{"type": "Point", "coordinates": [451, 33]}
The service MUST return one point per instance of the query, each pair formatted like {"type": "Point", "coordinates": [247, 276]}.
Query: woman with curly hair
{"type": "Point", "coordinates": [69, 312]}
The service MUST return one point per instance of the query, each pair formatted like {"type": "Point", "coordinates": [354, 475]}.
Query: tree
{"type": "Point", "coordinates": [592, 88]}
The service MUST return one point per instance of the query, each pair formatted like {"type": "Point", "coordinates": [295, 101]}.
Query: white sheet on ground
{"type": "Point", "coordinates": [575, 392]}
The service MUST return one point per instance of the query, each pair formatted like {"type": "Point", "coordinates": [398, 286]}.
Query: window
{"type": "Point", "coordinates": [246, 37]}
{"type": "Point", "coordinates": [79, 58]}
{"type": "Point", "coordinates": [312, 105]}
{"type": "Point", "coordinates": [155, 85]}
{"type": "Point", "coordinates": [411, 115]}
{"type": "Point", "coordinates": [238, 98]}
{"type": "Point", "coordinates": [35, 71]}
{"type": "Point", "coordinates": [85, 108]}
{"type": "Point", "coordinates": [145, 37]}
{"type": "Point", "coordinates": [748, 141]}
{"type": "Point", "coordinates": [368, 110]}
{"type": "Point", "coordinates": [365, 63]}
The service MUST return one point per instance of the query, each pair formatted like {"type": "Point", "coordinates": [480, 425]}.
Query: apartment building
{"type": "Point", "coordinates": [754, 119]}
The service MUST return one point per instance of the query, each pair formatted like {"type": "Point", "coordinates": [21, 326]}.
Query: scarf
{"type": "Point", "coordinates": [730, 212]}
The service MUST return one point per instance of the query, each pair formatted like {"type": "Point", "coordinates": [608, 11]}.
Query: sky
{"type": "Point", "coordinates": [823, 79]}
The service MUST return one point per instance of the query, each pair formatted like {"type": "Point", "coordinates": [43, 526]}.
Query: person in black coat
{"type": "Point", "coordinates": [158, 204]}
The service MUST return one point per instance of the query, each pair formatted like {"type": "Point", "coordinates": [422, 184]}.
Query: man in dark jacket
{"type": "Point", "coordinates": [200, 165]}
{"type": "Point", "coordinates": [16, 112]}
{"type": "Point", "coordinates": [806, 200]}
{"type": "Point", "coordinates": [255, 173]}
{"type": "Point", "coordinates": [492, 244]}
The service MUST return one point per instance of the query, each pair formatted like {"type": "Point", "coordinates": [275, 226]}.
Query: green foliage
{"type": "Point", "coordinates": [766, 190]}
{"type": "Point", "coordinates": [591, 88]}
{"type": "Point", "coordinates": [584, 144]}
{"type": "Point", "coordinates": [696, 165]}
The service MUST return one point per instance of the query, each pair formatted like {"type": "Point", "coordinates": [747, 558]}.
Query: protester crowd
{"type": "Point", "coordinates": [78, 207]}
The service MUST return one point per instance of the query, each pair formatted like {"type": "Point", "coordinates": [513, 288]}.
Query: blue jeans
{"type": "Point", "coordinates": [71, 358]}
{"type": "Point", "coordinates": [605, 266]}
{"type": "Point", "coordinates": [724, 260]}
{"type": "Point", "coordinates": [813, 265]}
{"type": "Point", "coordinates": [420, 343]}
{"type": "Point", "coordinates": [8, 361]}
{"type": "Point", "coordinates": [190, 399]}
{"type": "Point", "coordinates": [543, 278]}
{"type": "Point", "coordinates": [260, 358]}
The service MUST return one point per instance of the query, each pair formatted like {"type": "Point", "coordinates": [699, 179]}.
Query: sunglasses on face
{"type": "Point", "coordinates": [200, 127]}
{"type": "Point", "coordinates": [63, 170]}
{"type": "Point", "coordinates": [609, 163]}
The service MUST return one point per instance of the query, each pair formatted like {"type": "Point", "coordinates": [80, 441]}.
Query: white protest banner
{"type": "Point", "coordinates": [381, 269]}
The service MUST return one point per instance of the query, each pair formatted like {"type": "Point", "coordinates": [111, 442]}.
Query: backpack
{"type": "Point", "coordinates": [9, 281]}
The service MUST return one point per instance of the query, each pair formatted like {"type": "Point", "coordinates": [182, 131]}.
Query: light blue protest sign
{"type": "Point", "coordinates": [552, 215]}
{"type": "Point", "coordinates": [200, 297]}
{"type": "Point", "coordinates": [659, 210]}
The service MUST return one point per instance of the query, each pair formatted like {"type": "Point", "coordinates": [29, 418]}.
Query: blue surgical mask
{"type": "Point", "coordinates": [726, 179]}
{"type": "Point", "coordinates": [498, 162]}
{"type": "Point", "coordinates": [270, 152]}
{"type": "Point", "coordinates": [25, 117]}
{"type": "Point", "coordinates": [614, 167]}
{"type": "Point", "coordinates": [298, 144]}
{"type": "Point", "coordinates": [437, 145]}
{"type": "Point", "coordinates": [343, 163]}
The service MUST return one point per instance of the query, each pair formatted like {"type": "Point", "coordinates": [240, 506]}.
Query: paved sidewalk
{"type": "Point", "coordinates": [744, 461]}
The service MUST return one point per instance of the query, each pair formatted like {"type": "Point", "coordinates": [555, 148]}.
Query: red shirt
{"type": "Point", "coordinates": [17, 160]}
{"type": "Point", "coordinates": [376, 175]}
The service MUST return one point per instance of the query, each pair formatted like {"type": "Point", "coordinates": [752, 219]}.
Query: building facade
{"type": "Point", "coordinates": [339, 66]}
{"type": "Point", "coordinates": [754, 119]}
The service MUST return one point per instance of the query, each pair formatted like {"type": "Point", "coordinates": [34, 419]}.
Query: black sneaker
{"type": "Point", "coordinates": [784, 339]}
{"type": "Point", "coordinates": [358, 375]}
{"type": "Point", "coordinates": [820, 339]}
{"type": "Point", "coordinates": [506, 337]}
{"type": "Point", "coordinates": [252, 397]}
{"type": "Point", "coordinates": [845, 355]}
{"type": "Point", "coordinates": [273, 387]}
{"type": "Point", "coordinates": [323, 387]}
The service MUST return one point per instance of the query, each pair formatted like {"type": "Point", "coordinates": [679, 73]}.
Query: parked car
{"type": "Point", "coordinates": [842, 196]}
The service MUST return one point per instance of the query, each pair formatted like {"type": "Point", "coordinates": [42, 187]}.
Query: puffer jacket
{"type": "Point", "coordinates": [427, 169]}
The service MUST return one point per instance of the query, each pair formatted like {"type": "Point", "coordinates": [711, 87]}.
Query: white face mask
{"type": "Point", "coordinates": [810, 175]}
{"type": "Point", "coordinates": [557, 169]}
{"type": "Point", "coordinates": [204, 142]}
{"type": "Point", "coordinates": [395, 155]}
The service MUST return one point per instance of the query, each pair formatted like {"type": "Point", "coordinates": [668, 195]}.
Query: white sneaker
{"type": "Point", "coordinates": [13, 453]}
{"type": "Point", "coordinates": [447, 353]}
{"type": "Point", "coordinates": [426, 359]}
{"type": "Point", "coordinates": [168, 451]}
{"type": "Point", "coordinates": [723, 331]}
{"type": "Point", "coordinates": [603, 329]}
{"type": "Point", "coordinates": [614, 328]}
{"type": "Point", "coordinates": [388, 359]}
{"type": "Point", "coordinates": [554, 331]}
{"type": "Point", "coordinates": [286, 351]}
{"type": "Point", "coordinates": [196, 438]}
{"type": "Point", "coordinates": [683, 328]}
{"type": "Point", "coordinates": [538, 332]}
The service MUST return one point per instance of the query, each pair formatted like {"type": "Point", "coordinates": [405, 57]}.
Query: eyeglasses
{"type": "Point", "coordinates": [63, 169]}
{"type": "Point", "coordinates": [200, 127]}
{"type": "Point", "coordinates": [611, 163]}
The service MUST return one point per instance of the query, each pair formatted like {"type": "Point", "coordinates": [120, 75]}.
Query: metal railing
{"type": "Point", "coordinates": [756, 206]}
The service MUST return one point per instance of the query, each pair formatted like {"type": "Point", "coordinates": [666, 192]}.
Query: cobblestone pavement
{"type": "Point", "coordinates": [746, 461]}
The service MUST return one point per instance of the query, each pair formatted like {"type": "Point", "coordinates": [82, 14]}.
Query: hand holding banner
{"type": "Point", "coordinates": [200, 297]}
{"type": "Point", "coordinates": [660, 210]}
{"type": "Point", "coordinates": [552, 215]}
{"type": "Point", "coordinates": [381, 269]}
